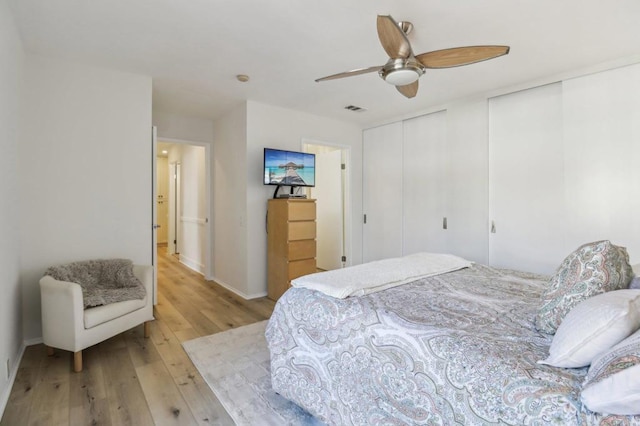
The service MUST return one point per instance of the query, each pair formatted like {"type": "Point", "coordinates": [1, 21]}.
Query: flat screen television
{"type": "Point", "coordinates": [289, 168]}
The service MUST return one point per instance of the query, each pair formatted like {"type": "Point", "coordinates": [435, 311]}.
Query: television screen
{"type": "Point", "coordinates": [289, 168]}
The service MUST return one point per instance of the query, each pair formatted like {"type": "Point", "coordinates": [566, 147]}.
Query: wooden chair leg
{"type": "Point", "coordinates": [147, 329]}
{"type": "Point", "coordinates": [77, 361]}
{"type": "Point", "coordinates": [49, 351]}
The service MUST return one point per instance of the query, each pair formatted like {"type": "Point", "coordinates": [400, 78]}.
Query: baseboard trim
{"type": "Point", "coordinates": [4, 398]}
{"type": "Point", "coordinates": [192, 264]}
{"type": "Point", "coordinates": [34, 341]}
{"type": "Point", "coordinates": [238, 292]}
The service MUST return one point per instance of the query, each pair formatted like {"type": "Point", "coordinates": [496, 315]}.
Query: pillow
{"type": "Point", "coordinates": [612, 385]}
{"type": "Point", "coordinates": [593, 327]}
{"type": "Point", "coordinates": [635, 282]}
{"type": "Point", "coordinates": [592, 269]}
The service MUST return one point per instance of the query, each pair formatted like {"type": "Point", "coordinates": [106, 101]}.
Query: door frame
{"type": "Point", "coordinates": [208, 261]}
{"type": "Point", "coordinates": [346, 193]}
{"type": "Point", "coordinates": [154, 211]}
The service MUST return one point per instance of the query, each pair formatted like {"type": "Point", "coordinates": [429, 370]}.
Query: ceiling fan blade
{"type": "Point", "coordinates": [350, 73]}
{"type": "Point", "coordinates": [459, 56]}
{"type": "Point", "coordinates": [394, 41]}
{"type": "Point", "coordinates": [409, 90]}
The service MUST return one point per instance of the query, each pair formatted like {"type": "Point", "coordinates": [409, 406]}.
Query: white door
{"type": "Point", "coordinates": [162, 172]}
{"type": "Point", "coordinates": [601, 114]}
{"type": "Point", "coordinates": [329, 210]}
{"type": "Point", "coordinates": [424, 183]}
{"type": "Point", "coordinates": [526, 182]}
{"type": "Point", "coordinates": [468, 181]}
{"type": "Point", "coordinates": [171, 226]}
{"type": "Point", "coordinates": [382, 192]}
{"type": "Point", "coordinates": [154, 214]}
{"type": "Point", "coordinates": [177, 242]}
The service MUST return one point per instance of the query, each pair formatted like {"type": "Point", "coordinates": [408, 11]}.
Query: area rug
{"type": "Point", "coordinates": [235, 365]}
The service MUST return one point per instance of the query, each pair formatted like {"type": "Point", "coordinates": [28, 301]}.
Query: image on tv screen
{"type": "Point", "coordinates": [289, 168]}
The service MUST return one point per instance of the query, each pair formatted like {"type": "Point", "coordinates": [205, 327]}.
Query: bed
{"type": "Point", "coordinates": [455, 348]}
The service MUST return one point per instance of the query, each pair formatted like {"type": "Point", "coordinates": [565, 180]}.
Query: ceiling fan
{"type": "Point", "coordinates": [403, 69]}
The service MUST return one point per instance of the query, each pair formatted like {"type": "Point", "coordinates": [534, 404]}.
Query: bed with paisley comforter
{"type": "Point", "coordinates": [457, 348]}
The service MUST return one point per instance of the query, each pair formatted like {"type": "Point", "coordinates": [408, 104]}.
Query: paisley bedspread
{"type": "Point", "coordinates": [458, 348]}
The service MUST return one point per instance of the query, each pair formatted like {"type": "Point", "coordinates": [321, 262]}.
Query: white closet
{"type": "Point", "coordinates": [526, 192]}
{"type": "Point", "coordinates": [404, 199]}
{"type": "Point", "coordinates": [382, 193]}
{"type": "Point", "coordinates": [468, 180]}
{"type": "Point", "coordinates": [601, 116]}
{"type": "Point", "coordinates": [562, 170]}
{"type": "Point", "coordinates": [548, 169]}
{"type": "Point", "coordinates": [425, 183]}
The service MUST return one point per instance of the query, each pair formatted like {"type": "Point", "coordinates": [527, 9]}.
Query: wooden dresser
{"type": "Point", "coordinates": [291, 247]}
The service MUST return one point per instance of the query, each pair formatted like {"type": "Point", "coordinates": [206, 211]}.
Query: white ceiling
{"type": "Point", "coordinates": [194, 48]}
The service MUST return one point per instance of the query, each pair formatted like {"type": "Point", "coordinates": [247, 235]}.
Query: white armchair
{"type": "Point", "coordinates": [67, 325]}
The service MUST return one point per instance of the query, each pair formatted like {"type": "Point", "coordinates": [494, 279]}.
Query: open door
{"type": "Point", "coordinates": [329, 205]}
{"type": "Point", "coordinates": [154, 213]}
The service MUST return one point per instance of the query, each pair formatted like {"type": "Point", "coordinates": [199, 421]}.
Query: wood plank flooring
{"type": "Point", "coordinates": [130, 380]}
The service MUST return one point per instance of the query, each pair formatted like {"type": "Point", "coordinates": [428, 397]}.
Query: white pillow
{"type": "Point", "coordinates": [593, 327]}
{"type": "Point", "coordinates": [613, 382]}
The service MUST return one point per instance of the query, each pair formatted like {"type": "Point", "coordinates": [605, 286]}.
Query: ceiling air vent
{"type": "Point", "coordinates": [354, 108]}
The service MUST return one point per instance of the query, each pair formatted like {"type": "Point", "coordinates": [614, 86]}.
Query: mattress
{"type": "Point", "coordinates": [458, 348]}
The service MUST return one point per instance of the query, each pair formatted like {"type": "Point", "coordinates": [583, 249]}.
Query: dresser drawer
{"type": "Point", "coordinates": [302, 210]}
{"type": "Point", "coordinates": [302, 230]}
{"type": "Point", "coordinates": [298, 268]}
{"type": "Point", "coordinates": [303, 249]}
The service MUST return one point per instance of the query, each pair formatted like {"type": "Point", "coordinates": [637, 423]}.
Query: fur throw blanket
{"type": "Point", "coordinates": [103, 281]}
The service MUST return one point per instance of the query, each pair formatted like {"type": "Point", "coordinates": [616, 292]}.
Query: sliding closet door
{"type": "Point", "coordinates": [526, 183]}
{"type": "Point", "coordinates": [468, 181]}
{"type": "Point", "coordinates": [382, 192]}
{"type": "Point", "coordinates": [425, 190]}
{"type": "Point", "coordinates": [602, 139]}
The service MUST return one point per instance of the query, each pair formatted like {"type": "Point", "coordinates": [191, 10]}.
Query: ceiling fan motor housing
{"type": "Point", "coordinates": [401, 72]}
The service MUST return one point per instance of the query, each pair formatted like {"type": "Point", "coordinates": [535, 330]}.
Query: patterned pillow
{"type": "Point", "coordinates": [635, 282]}
{"type": "Point", "coordinates": [593, 268]}
{"type": "Point", "coordinates": [613, 382]}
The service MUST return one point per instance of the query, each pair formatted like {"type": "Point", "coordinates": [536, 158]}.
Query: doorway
{"type": "Point", "coordinates": [331, 195]}
{"type": "Point", "coordinates": [184, 202]}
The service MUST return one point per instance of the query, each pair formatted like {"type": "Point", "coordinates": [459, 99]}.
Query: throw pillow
{"type": "Point", "coordinates": [612, 385]}
{"type": "Point", "coordinates": [635, 282]}
{"type": "Point", "coordinates": [593, 327]}
{"type": "Point", "coordinates": [592, 269]}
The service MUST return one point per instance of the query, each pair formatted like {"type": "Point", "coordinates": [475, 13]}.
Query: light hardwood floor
{"type": "Point", "coordinates": [130, 380]}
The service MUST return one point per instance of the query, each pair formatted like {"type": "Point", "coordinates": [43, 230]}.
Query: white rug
{"type": "Point", "coordinates": [235, 365]}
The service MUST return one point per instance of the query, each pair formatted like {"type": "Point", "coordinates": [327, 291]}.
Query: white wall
{"type": "Point", "coordinates": [174, 126]}
{"type": "Point", "coordinates": [274, 127]}
{"type": "Point", "coordinates": [230, 200]}
{"type": "Point", "coordinates": [240, 198]}
{"type": "Point", "coordinates": [11, 68]}
{"type": "Point", "coordinates": [84, 169]}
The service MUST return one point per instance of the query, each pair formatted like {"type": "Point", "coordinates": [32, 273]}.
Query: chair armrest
{"type": "Point", "coordinates": [145, 274]}
{"type": "Point", "coordinates": [62, 313]}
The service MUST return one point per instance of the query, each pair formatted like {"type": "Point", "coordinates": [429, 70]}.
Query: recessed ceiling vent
{"type": "Point", "coordinates": [354, 108]}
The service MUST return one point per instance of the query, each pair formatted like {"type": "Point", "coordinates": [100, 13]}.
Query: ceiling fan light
{"type": "Point", "coordinates": [401, 77]}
